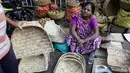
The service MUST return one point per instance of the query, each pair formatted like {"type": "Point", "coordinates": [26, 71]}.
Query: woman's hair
{"type": "Point", "coordinates": [84, 4]}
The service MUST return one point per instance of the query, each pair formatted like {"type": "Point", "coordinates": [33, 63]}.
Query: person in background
{"type": "Point", "coordinates": [8, 61]}
{"type": "Point", "coordinates": [84, 36]}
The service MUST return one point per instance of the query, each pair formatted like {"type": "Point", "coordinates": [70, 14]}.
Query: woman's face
{"type": "Point", "coordinates": [0, 1]}
{"type": "Point", "coordinates": [87, 11]}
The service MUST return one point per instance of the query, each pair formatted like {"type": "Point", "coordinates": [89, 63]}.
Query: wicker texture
{"type": "Point", "coordinates": [32, 40]}
{"type": "Point", "coordinates": [70, 63]}
{"type": "Point", "coordinates": [32, 64]}
{"type": "Point", "coordinates": [112, 45]}
{"type": "Point", "coordinates": [111, 7]}
{"type": "Point", "coordinates": [118, 57]}
{"type": "Point", "coordinates": [114, 37]}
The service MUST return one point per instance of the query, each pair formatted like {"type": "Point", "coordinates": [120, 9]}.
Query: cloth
{"type": "Point", "coordinates": [4, 40]}
{"type": "Point", "coordinates": [8, 63]}
{"type": "Point", "coordinates": [83, 31]}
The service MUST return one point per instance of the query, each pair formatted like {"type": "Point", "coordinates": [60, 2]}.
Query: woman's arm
{"type": "Point", "coordinates": [74, 33]}
{"type": "Point", "coordinates": [94, 34]}
{"type": "Point", "coordinates": [15, 24]}
{"type": "Point", "coordinates": [11, 21]}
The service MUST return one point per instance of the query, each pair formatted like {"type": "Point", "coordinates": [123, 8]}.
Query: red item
{"type": "Point", "coordinates": [71, 12]}
{"type": "Point", "coordinates": [53, 7]}
{"type": "Point", "coordinates": [42, 11]}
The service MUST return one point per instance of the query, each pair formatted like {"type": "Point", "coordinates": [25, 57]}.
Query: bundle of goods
{"type": "Point", "coordinates": [42, 11]}
{"type": "Point", "coordinates": [42, 21]}
{"type": "Point", "coordinates": [41, 2]}
{"type": "Point", "coordinates": [73, 3]}
{"type": "Point", "coordinates": [123, 19]}
{"type": "Point", "coordinates": [71, 12]}
{"type": "Point", "coordinates": [57, 14]}
{"type": "Point", "coordinates": [71, 63]}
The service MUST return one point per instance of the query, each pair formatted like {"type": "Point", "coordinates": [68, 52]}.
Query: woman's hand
{"type": "Point", "coordinates": [81, 41]}
{"type": "Point", "coordinates": [18, 24]}
{"type": "Point", "coordinates": [80, 45]}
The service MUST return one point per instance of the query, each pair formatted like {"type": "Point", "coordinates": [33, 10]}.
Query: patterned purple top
{"type": "Point", "coordinates": [83, 31]}
{"type": "Point", "coordinates": [93, 22]}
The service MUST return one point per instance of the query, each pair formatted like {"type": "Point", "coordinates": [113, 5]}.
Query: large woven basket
{"type": "Point", "coordinates": [73, 4]}
{"type": "Point", "coordinates": [114, 37]}
{"type": "Point", "coordinates": [111, 7]}
{"type": "Point", "coordinates": [117, 57]}
{"type": "Point", "coordinates": [32, 64]}
{"type": "Point", "coordinates": [110, 45]}
{"type": "Point", "coordinates": [70, 63]}
{"type": "Point", "coordinates": [30, 41]}
{"type": "Point", "coordinates": [56, 16]}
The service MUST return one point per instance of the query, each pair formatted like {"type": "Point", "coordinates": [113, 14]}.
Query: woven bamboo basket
{"type": "Point", "coordinates": [111, 7]}
{"type": "Point", "coordinates": [73, 4]}
{"type": "Point", "coordinates": [32, 64]}
{"type": "Point", "coordinates": [110, 45]}
{"type": "Point", "coordinates": [79, 57]}
{"type": "Point", "coordinates": [114, 37]}
{"type": "Point", "coordinates": [56, 15]}
{"type": "Point", "coordinates": [30, 41]}
{"type": "Point", "coordinates": [117, 57]}
{"type": "Point", "coordinates": [70, 64]}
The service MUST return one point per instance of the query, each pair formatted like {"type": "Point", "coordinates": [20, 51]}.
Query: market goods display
{"type": "Point", "coordinates": [57, 14]}
{"type": "Point", "coordinates": [123, 19]}
{"type": "Point", "coordinates": [71, 12]}
{"type": "Point", "coordinates": [42, 11]}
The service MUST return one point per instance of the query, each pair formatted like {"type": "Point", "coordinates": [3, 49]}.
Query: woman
{"type": "Point", "coordinates": [83, 37]}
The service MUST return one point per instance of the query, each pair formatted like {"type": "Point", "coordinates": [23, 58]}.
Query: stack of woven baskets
{"type": "Point", "coordinates": [71, 63]}
{"type": "Point", "coordinates": [118, 58]}
{"type": "Point", "coordinates": [33, 46]}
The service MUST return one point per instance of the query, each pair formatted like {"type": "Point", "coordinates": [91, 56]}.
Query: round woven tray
{"type": "Point", "coordinates": [70, 62]}
{"type": "Point", "coordinates": [30, 41]}
{"type": "Point", "coordinates": [79, 57]}
{"type": "Point", "coordinates": [111, 7]}
{"type": "Point", "coordinates": [32, 64]}
{"type": "Point", "coordinates": [69, 65]}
